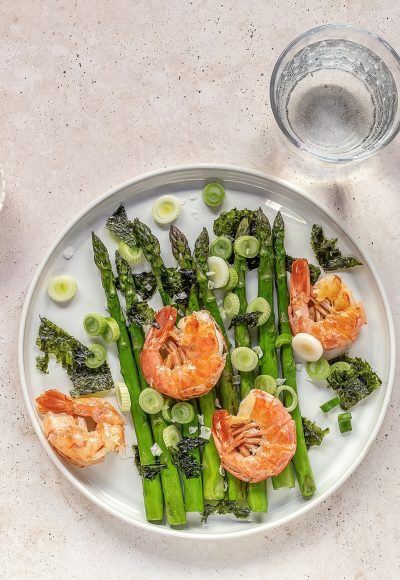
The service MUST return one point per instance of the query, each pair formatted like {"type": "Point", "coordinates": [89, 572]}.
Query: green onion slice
{"type": "Point", "coordinates": [344, 420]}
{"type": "Point", "coordinates": [94, 324]}
{"type": "Point", "coordinates": [112, 331]}
{"type": "Point", "coordinates": [151, 401]}
{"type": "Point", "coordinates": [123, 397]}
{"type": "Point", "coordinates": [231, 305]}
{"type": "Point", "coordinates": [171, 436]}
{"type": "Point", "coordinates": [265, 383]}
{"type": "Point", "coordinates": [259, 304]}
{"type": "Point", "coordinates": [329, 405]}
{"type": "Point", "coordinates": [132, 254]}
{"type": "Point", "coordinates": [247, 246]}
{"type": "Point", "coordinates": [166, 409]}
{"type": "Point", "coordinates": [166, 209]}
{"type": "Point", "coordinates": [232, 281]}
{"type": "Point", "coordinates": [221, 247]}
{"type": "Point", "coordinates": [219, 271]}
{"type": "Point", "coordinates": [244, 359]}
{"type": "Point", "coordinates": [318, 370]}
{"type": "Point", "coordinates": [98, 356]}
{"type": "Point", "coordinates": [62, 289]}
{"type": "Point", "coordinates": [213, 194]}
{"type": "Point", "coordinates": [341, 366]}
{"type": "Point", "coordinates": [292, 392]}
{"type": "Point", "coordinates": [182, 413]}
{"type": "Point", "coordinates": [283, 339]}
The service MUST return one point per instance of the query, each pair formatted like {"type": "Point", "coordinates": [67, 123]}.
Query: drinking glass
{"type": "Point", "coordinates": [334, 93]}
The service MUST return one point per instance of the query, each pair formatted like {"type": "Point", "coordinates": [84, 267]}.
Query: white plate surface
{"type": "Point", "coordinates": [115, 485]}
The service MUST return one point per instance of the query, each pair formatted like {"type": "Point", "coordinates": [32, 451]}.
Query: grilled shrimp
{"type": "Point", "coordinates": [326, 310]}
{"type": "Point", "coordinates": [185, 361]}
{"type": "Point", "coordinates": [257, 443]}
{"type": "Point", "coordinates": [65, 427]}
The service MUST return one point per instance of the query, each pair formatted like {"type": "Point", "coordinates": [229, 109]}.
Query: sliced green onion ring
{"type": "Point", "coordinates": [166, 409]}
{"type": "Point", "coordinates": [151, 401]}
{"type": "Point", "coordinates": [123, 397]}
{"type": "Point", "coordinates": [265, 383]}
{"type": "Point", "coordinates": [112, 331]}
{"type": "Point", "coordinates": [232, 281]}
{"type": "Point", "coordinates": [98, 356]}
{"type": "Point", "coordinates": [62, 289]}
{"type": "Point", "coordinates": [166, 209]}
{"type": "Point", "coordinates": [246, 246]}
{"type": "Point", "coordinates": [220, 271]}
{"type": "Point", "coordinates": [259, 304]}
{"type": "Point", "coordinates": [292, 392]}
{"type": "Point", "coordinates": [231, 305]}
{"type": "Point", "coordinates": [213, 194]}
{"type": "Point", "coordinates": [171, 436]}
{"type": "Point", "coordinates": [341, 366]}
{"type": "Point", "coordinates": [182, 413]}
{"type": "Point", "coordinates": [94, 324]}
{"type": "Point", "coordinates": [329, 405]}
{"type": "Point", "coordinates": [244, 359]}
{"type": "Point", "coordinates": [221, 247]}
{"type": "Point", "coordinates": [131, 254]}
{"type": "Point", "coordinates": [283, 339]}
{"type": "Point", "coordinates": [318, 370]}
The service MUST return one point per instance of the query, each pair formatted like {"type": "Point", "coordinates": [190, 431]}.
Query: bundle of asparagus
{"type": "Point", "coordinates": [149, 429]}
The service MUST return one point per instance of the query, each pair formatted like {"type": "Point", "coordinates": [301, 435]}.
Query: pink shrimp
{"type": "Point", "coordinates": [259, 442]}
{"type": "Point", "coordinates": [185, 361]}
{"type": "Point", "coordinates": [66, 429]}
{"type": "Point", "coordinates": [326, 310]}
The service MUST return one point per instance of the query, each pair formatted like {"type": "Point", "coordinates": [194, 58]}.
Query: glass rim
{"type": "Point", "coordinates": [296, 142]}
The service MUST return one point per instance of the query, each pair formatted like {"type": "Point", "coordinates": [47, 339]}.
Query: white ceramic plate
{"type": "Point", "coordinates": [115, 485]}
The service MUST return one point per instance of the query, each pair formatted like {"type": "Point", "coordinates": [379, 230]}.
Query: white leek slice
{"type": "Point", "coordinates": [220, 271]}
{"type": "Point", "coordinates": [307, 347]}
{"type": "Point", "coordinates": [62, 288]}
{"type": "Point", "coordinates": [166, 209]}
{"type": "Point", "coordinates": [123, 397]}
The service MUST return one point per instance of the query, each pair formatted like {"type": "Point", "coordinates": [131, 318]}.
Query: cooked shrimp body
{"type": "Point", "coordinates": [66, 429]}
{"type": "Point", "coordinates": [185, 361]}
{"type": "Point", "coordinates": [257, 443]}
{"type": "Point", "coordinates": [326, 310]}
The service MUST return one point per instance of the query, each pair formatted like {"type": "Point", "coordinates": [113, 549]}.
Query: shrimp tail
{"type": "Point", "coordinates": [300, 291]}
{"type": "Point", "coordinates": [300, 287]}
{"type": "Point", "coordinates": [54, 401]}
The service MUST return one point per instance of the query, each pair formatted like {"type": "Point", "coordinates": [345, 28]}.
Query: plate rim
{"type": "Point", "coordinates": [163, 528]}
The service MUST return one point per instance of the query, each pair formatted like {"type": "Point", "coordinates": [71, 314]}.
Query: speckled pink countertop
{"type": "Point", "coordinates": [93, 93]}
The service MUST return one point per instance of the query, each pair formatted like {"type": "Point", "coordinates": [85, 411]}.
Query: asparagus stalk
{"type": "Point", "coordinates": [228, 393]}
{"type": "Point", "coordinates": [256, 492]}
{"type": "Point", "coordinates": [267, 332]}
{"type": "Point", "coordinates": [174, 505]}
{"type": "Point", "coordinates": [301, 460]}
{"type": "Point", "coordinates": [152, 251]}
{"type": "Point", "coordinates": [152, 491]}
{"type": "Point", "coordinates": [213, 481]}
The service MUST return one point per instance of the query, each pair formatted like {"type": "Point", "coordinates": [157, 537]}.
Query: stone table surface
{"type": "Point", "coordinates": [96, 92]}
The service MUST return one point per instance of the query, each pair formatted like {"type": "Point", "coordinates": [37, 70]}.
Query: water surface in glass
{"type": "Point", "coordinates": [337, 98]}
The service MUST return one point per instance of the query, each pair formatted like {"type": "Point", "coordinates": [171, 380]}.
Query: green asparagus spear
{"type": "Point", "coordinates": [152, 251]}
{"type": "Point", "coordinates": [213, 481]}
{"type": "Point", "coordinates": [228, 393]}
{"type": "Point", "coordinates": [170, 480]}
{"type": "Point", "coordinates": [153, 497]}
{"type": "Point", "coordinates": [267, 332]}
{"type": "Point", "coordinates": [301, 460]}
{"type": "Point", "coordinates": [256, 492]}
